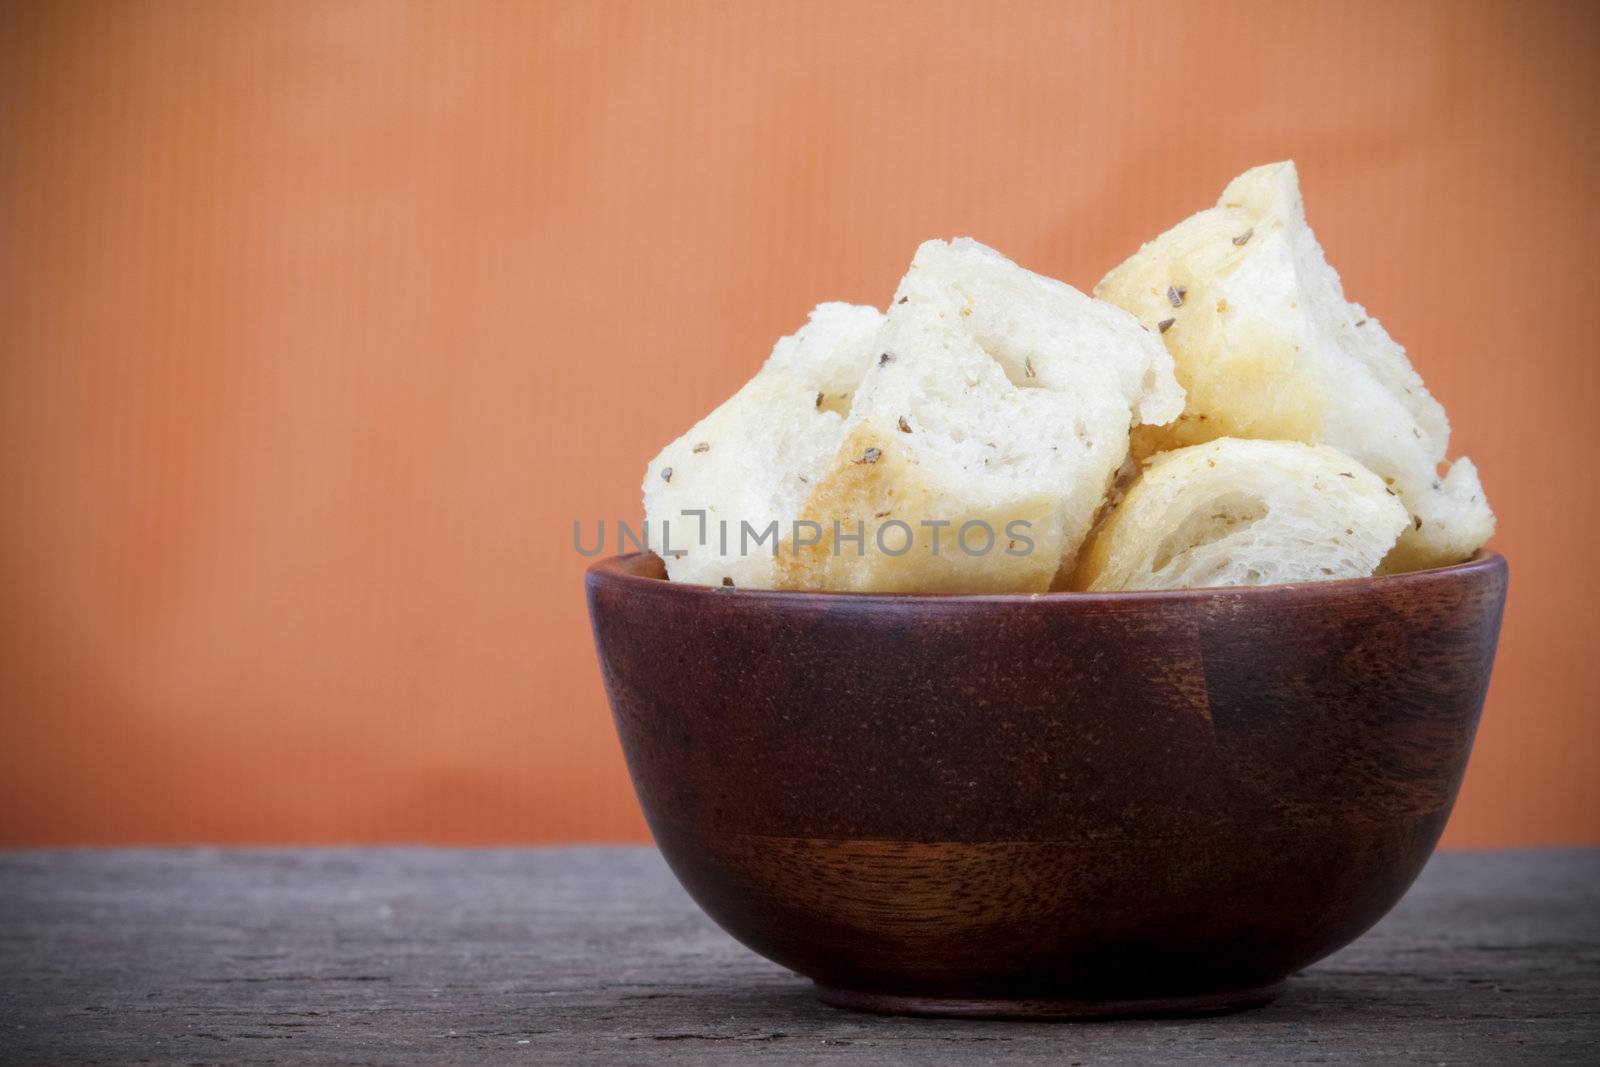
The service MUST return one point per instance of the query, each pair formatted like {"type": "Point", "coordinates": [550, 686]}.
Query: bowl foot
{"type": "Point", "coordinates": [1063, 1008]}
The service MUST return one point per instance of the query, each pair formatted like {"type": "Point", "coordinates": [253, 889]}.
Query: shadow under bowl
{"type": "Point", "coordinates": [1064, 805]}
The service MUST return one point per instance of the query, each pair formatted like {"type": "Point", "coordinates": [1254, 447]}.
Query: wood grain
{"type": "Point", "coordinates": [569, 956]}
{"type": "Point", "coordinates": [1061, 804]}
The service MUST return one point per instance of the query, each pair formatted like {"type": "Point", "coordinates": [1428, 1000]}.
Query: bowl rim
{"type": "Point", "coordinates": [622, 570]}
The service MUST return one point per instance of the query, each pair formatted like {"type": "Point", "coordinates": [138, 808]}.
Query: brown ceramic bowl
{"type": "Point", "coordinates": [1071, 805]}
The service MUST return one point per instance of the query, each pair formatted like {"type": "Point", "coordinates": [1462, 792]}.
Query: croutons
{"type": "Point", "coordinates": [1267, 347]}
{"type": "Point", "coordinates": [1236, 512]}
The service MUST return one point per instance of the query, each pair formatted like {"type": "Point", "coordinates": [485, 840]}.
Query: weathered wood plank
{"type": "Point", "coordinates": [596, 956]}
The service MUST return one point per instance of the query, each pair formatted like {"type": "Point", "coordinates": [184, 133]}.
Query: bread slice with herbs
{"type": "Point", "coordinates": [1266, 346]}
{"type": "Point", "coordinates": [984, 434]}
{"type": "Point", "coordinates": [1241, 512]}
{"type": "Point", "coordinates": [757, 457]}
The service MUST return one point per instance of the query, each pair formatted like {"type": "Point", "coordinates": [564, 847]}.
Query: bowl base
{"type": "Point", "coordinates": [1041, 1008]}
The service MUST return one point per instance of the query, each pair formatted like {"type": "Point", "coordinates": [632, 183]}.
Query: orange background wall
{"type": "Point", "coordinates": [323, 322]}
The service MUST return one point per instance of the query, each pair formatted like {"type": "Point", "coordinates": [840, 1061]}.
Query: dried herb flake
{"type": "Point", "coordinates": [905, 427]}
{"type": "Point", "coordinates": [1244, 237]}
{"type": "Point", "coordinates": [1165, 324]}
{"type": "Point", "coordinates": [1175, 295]}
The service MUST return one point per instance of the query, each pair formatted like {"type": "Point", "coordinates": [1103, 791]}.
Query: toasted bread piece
{"type": "Point", "coordinates": [758, 456]}
{"type": "Point", "coordinates": [998, 397]}
{"type": "Point", "coordinates": [1238, 512]}
{"type": "Point", "coordinates": [1266, 346]}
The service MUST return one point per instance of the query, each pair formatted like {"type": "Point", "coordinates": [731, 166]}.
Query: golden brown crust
{"type": "Point", "coordinates": [876, 482]}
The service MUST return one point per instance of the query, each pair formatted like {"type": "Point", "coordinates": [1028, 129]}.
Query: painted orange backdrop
{"type": "Point", "coordinates": [323, 322]}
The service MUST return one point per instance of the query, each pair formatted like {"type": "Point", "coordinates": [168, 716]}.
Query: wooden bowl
{"type": "Point", "coordinates": [1063, 805]}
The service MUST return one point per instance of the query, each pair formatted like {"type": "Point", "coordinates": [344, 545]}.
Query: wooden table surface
{"type": "Point", "coordinates": [594, 955]}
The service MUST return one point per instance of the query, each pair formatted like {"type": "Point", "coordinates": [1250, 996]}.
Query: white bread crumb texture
{"type": "Point", "coordinates": [1240, 512]}
{"type": "Point", "coordinates": [996, 395]}
{"type": "Point", "coordinates": [1267, 347]}
{"type": "Point", "coordinates": [1217, 414]}
{"type": "Point", "coordinates": [757, 457]}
